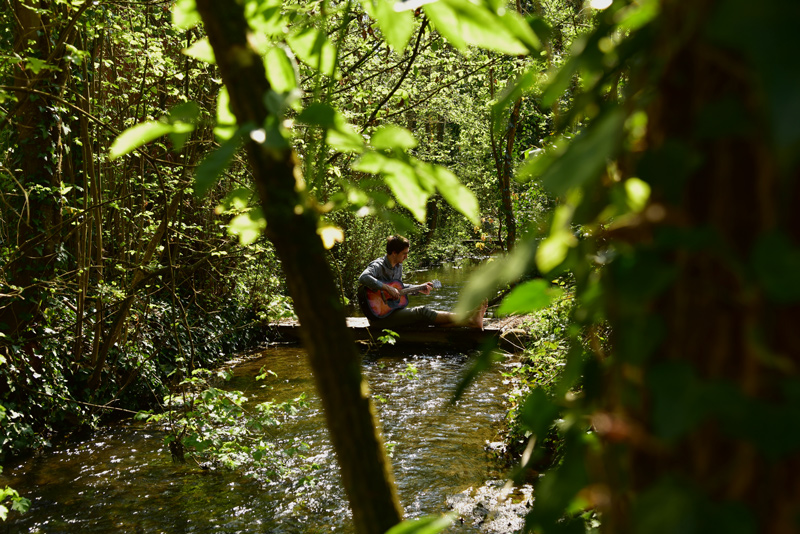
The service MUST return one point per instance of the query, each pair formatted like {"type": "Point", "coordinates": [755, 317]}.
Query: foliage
{"type": "Point", "coordinates": [541, 368]}
{"type": "Point", "coordinates": [641, 218]}
{"type": "Point", "coordinates": [18, 504]}
{"type": "Point", "coordinates": [220, 427]}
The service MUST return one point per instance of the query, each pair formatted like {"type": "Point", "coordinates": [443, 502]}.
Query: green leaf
{"type": "Point", "coordinates": [393, 137]}
{"type": "Point", "coordinates": [186, 112]}
{"type": "Point", "coordinates": [340, 135]}
{"type": "Point", "coordinates": [515, 90]}
{"type": "Point", "coordinates": [401, 178]}
{"type": "Point", "coordinates": [538, 160]}
{"type": "Point", "coordinates": [403, 224]}
{"type": "Point", "coordinates": [183, 118]}
{"type": "Point", "coordinates": [226, 120]}
{"type": "Point", "coordinates": [345, 139]}
{"type": "Point", "coordinates": [453, 191]}
{"type": "Point", "coordinates": [553, 250]}
{"type": "Point", "coordinates": [281, 70]}
{"type": "Point", "coordinates": [211, 168]}
{"type": "Point", "coordinates": [201, 50]}
{"type": "Point", "coordinates": [484, 282]}
{"type": "Point", "coordinates": [538, 413]}
{"type": "Point", "coordinates": [314, 49]}
{"type": "Point", "coordinates": [586, 157]}
{"type": "Point", "coordinates": [248, 226]}
{"type": "Point", "coordinates": [322, 115]}
{"type": "Point", "coordinates": [426, 525]}
{"type": "Point", "coordinates": [466, 23]}
{"type": "Point", "coordinates": [185, 15]}
{"type": "Point", "coordinates": [397, 27]}
{"type": "Point", "coordinates": [403, 182]}
{"type": "Point", "coordinates": [528, 297]}
{"type": "Point", "coordinates": [560, 82]}
{"type": "Point", "coordinates": [137, 136]}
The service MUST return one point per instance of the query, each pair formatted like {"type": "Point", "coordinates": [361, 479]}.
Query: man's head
{"type": "Point", "coordinates": [397, 249]}
{"type": "Point", "coordinates": [396, 243]}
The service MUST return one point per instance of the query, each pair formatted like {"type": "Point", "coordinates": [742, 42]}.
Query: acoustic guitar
{"type": "Point", "coordinates": [381, 304]}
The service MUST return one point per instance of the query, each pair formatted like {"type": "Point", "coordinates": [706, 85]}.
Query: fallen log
{"type": "Point", "coordinates": [460, 337]}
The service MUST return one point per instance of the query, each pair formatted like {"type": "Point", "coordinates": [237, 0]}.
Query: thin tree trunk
{"type": "Point", "coordinates": [122, 315]}
{"type": "Point", "coordinates": [292, 227]}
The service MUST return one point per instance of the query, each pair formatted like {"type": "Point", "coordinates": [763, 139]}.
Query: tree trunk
{"type": "Point", "coordinates": [38, 157]}
{"type": "Point", "coordinates": [724, 329]}
{"type": "Point", "coordinates": [292, 227]}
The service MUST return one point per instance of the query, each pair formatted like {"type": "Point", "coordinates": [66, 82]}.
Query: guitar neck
{"type": "Point", "coordinates": [412, 289]}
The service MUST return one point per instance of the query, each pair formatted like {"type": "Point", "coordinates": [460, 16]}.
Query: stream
{"type": "Point", "coordinates": [122, 478]}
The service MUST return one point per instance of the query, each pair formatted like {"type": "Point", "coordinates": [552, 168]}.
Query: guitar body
{"type": "Point", "coordinates": [379, 304]}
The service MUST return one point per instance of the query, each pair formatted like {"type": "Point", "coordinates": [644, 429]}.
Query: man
{"type": "Point", "coordinates": [390, 267]}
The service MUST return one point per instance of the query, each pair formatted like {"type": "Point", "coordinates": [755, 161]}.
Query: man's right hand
{"type": "Point", "coordinates": [393, 292]}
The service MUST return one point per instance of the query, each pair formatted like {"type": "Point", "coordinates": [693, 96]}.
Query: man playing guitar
{"type": "Point", "coordinates": [381, 277]}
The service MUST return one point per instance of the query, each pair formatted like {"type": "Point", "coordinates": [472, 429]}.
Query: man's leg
{"type": "Point", "coordinates": [474, 321]}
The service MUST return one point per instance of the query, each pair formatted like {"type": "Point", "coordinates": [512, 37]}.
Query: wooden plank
{"type": "Point", "coordinates": [450, 336]}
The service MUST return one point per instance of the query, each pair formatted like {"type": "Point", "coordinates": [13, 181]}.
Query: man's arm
{"type": "Point", "coordinates": [369, 276]}
{"type": "Point", "coordinates": [369, 279]}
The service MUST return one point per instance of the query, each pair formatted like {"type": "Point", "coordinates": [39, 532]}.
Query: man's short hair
{"type": "Point", "coordinates": [396, 243]}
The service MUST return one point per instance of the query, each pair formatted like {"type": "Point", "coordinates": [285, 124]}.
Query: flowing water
{"type": "Point", "coordinates": [122, 479]}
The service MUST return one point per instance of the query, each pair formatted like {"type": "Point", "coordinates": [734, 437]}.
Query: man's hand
{"type": "Point", "coordinates": [393, 292]}
{"type": "Point", "coordinates": [427, 289]}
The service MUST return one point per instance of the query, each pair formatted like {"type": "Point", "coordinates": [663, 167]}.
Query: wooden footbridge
{"type": "Point", "coordinates": [458, 337]}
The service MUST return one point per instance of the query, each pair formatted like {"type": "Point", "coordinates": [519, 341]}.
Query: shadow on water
{"type": "Point", "coordinates": [122, 479]}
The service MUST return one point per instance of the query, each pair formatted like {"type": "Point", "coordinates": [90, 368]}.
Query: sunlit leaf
{"type": "Point", "coordinates": [427, 525]}
{"type": "Point", "coordinates": [314, 49]}
{"type": "Point", "coordinates": [226, 120]}
{"type": "Point", "coordinates": [453, 191]}
{"type": "Point", "coordinates": [330, 235]}
{"type": "Point", "coordinates": [638, 193]}
{"type": "Point", "coordinates": [266, 17]}
{"type": "Point", "coordinates": [201, 50]}
{"type": "Point", "coordinates": [136, 136]}
{"type": "Point", "coordinates": [340, 135]}
{"type": "Point", "coordinates": [553, 250]}
{"type": "Point", "coordinates": [396, 26]}
{"type": "Point", "coordinates": [403, 182]}
{"type": "Point", "coordinates": [281, 70]}
{"type": "Point", "coordinates": [528, 297]}
{"type": "Point", "coordinates": [637, 14]}
{"type": "Point", "coordinates": [464, 23]}
{"type": "Point", "coordinates": [371, 162]}
{"type": "Point", "coordinates": [391, 137]}
{"type": "Point", "coordinates": [345, 139]}
{"type": "Point", "coordinates": [484, 283]}
{"type": "Point", "coordinates": [248, 226]}
{"type": "Point", "coordinates": [185, 15]}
